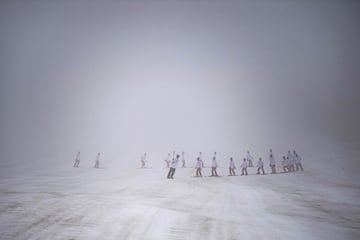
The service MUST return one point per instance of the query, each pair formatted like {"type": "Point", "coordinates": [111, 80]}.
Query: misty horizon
{"type": "Point", "coordinates": [127, 78]}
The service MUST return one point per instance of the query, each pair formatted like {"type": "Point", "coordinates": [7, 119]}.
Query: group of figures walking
{"type": "Point", "coordinates": [290, 163]}
{"type": "Point", "coordinates": [77, 160]}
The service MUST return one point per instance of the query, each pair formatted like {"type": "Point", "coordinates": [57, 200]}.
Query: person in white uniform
{"type": "Point", "coordinates": [285, 164]}
{"type": "Point", "coordinates": [183, 159]}
{"type": "Point", "coordinates": [232, 167]}
{"type": "Point", "coordinates": [260, 166]}
{"type": "Point", "coordinates": [244, 166]}
{"type": "Point", "coordinates": [291, 161]}
{"type": "Point", "coordinates": [198, 167]}
{"type": "Point", "coordinates": [201, 160]}
{"type": "Point", "coordinates": [173, 166]}
{"type": "Point", "coordinates": [272, 162]}
{"type": "Point", "coordinates": [298, 162]}
{"type": "Point", "coordinates": [249, 159]}
{"type": "Point", "coordinates": [214, 165]}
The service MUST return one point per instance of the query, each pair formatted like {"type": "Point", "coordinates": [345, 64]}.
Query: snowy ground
{"type": "Point", "coordinates": [107, 203]}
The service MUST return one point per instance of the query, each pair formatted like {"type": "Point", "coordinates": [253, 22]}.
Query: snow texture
{"type": "Point", "coordinates": [114, 203]}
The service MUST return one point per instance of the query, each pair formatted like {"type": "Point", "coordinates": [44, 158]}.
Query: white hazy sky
{"type": "Point", "coordinates": [125, 77]}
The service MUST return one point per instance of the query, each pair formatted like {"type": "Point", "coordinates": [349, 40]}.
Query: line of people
{"type": "Point", "coordinates": [77, 160]}
{"type": "Point", "coordinates": [290, 163]}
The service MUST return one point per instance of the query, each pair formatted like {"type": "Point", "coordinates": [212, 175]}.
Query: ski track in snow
{"type": "Point", "coordinates": [142, 204]}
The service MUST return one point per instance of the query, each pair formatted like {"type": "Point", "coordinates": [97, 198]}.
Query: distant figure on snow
{"type": "Point", "coordinates": [198, 167]}
{"type": "Point", "coordinates": [249, 159]}
{"type": "Point", "coordinates": [244, 166]}
{"type": "Point", "coordinates": [77, 160]}
{"type": "Point", "coordinates": [214, 165]}
{"type": "Point", "coordinates": [260, 166]}
{"type": "Point", "coordinates": [272, 162]}
{"type": "Point", "coordinates": [285, 164]}
{"type": "Point", "coordinates": [143, 160]}
{"type": "Point", "coordinates": [97, 162]}
{"type": "Point", "coordinates": [183, 160]}
{"type": "Point", "coordinates": [298, 162]}
{"type": "Point", "coordinates": [173, 166]}
{"type": "Point", "coordinates": [232, 167]}
{"type": "Point", "coordinates": [201, 160]}
{"type": "Point", "coordinates": [291, 160]}
{"type": "Point", "coordinates": [167, 160]}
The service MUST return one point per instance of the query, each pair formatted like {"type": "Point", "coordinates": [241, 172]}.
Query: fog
{"type": "Point", "coordinates": [124, 78]}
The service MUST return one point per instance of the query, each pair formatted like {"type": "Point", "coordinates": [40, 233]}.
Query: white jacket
{"type": "Point", "coordinates": [174, 163]}
{"type": "Point", "coordinates": [291, 158]}
{"type": "Point", "coordinates": [232, 164]}
{"type": "Point", "coordinates": [260, 163]}
{"type": "Point", "coordinates": [244, 164]}
{"type": "Point", "coordinates": [214, 163]}
{"type": "Point", "coordinates": [272, 160]}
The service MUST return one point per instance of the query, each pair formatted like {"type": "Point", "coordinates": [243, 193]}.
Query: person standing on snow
{"type": "Point", "coordinates": [249, 159]}
{"type": "Point", "coordinates": [173, 166]}
{"type": "Point", "coordinates": [232, 167]}
{"type": "Point", "coordinates": [214, 165]}
{"type": "Point", "coordinates": [244, 166]}
{"type": "Point", "coordinates": [260, 166]}
{"type": "Point", "coordinates": [198, 167]}
{"type": "Point", "coordinates": [291, 160]}
{"type": "Point", "coordinates": [97, 162]}
{"type": "Point", "coordinates": [183, 159]}
{"type": "Point", "coordinates": [272, 162]}
{"type": "Point", "coordinates": [201, 160]}
{"type": "Point", "coordinates": [298, 162]}
{"type": "Point", "coordinates": [143, 160]}
{"type": "Point", "coordinates": [77, 160]}
{"type": "Point", "coordinates": [285, 164]}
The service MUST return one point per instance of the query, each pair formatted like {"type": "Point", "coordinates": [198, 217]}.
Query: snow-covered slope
{"type": "Point", "coordinates": [113, 203]}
